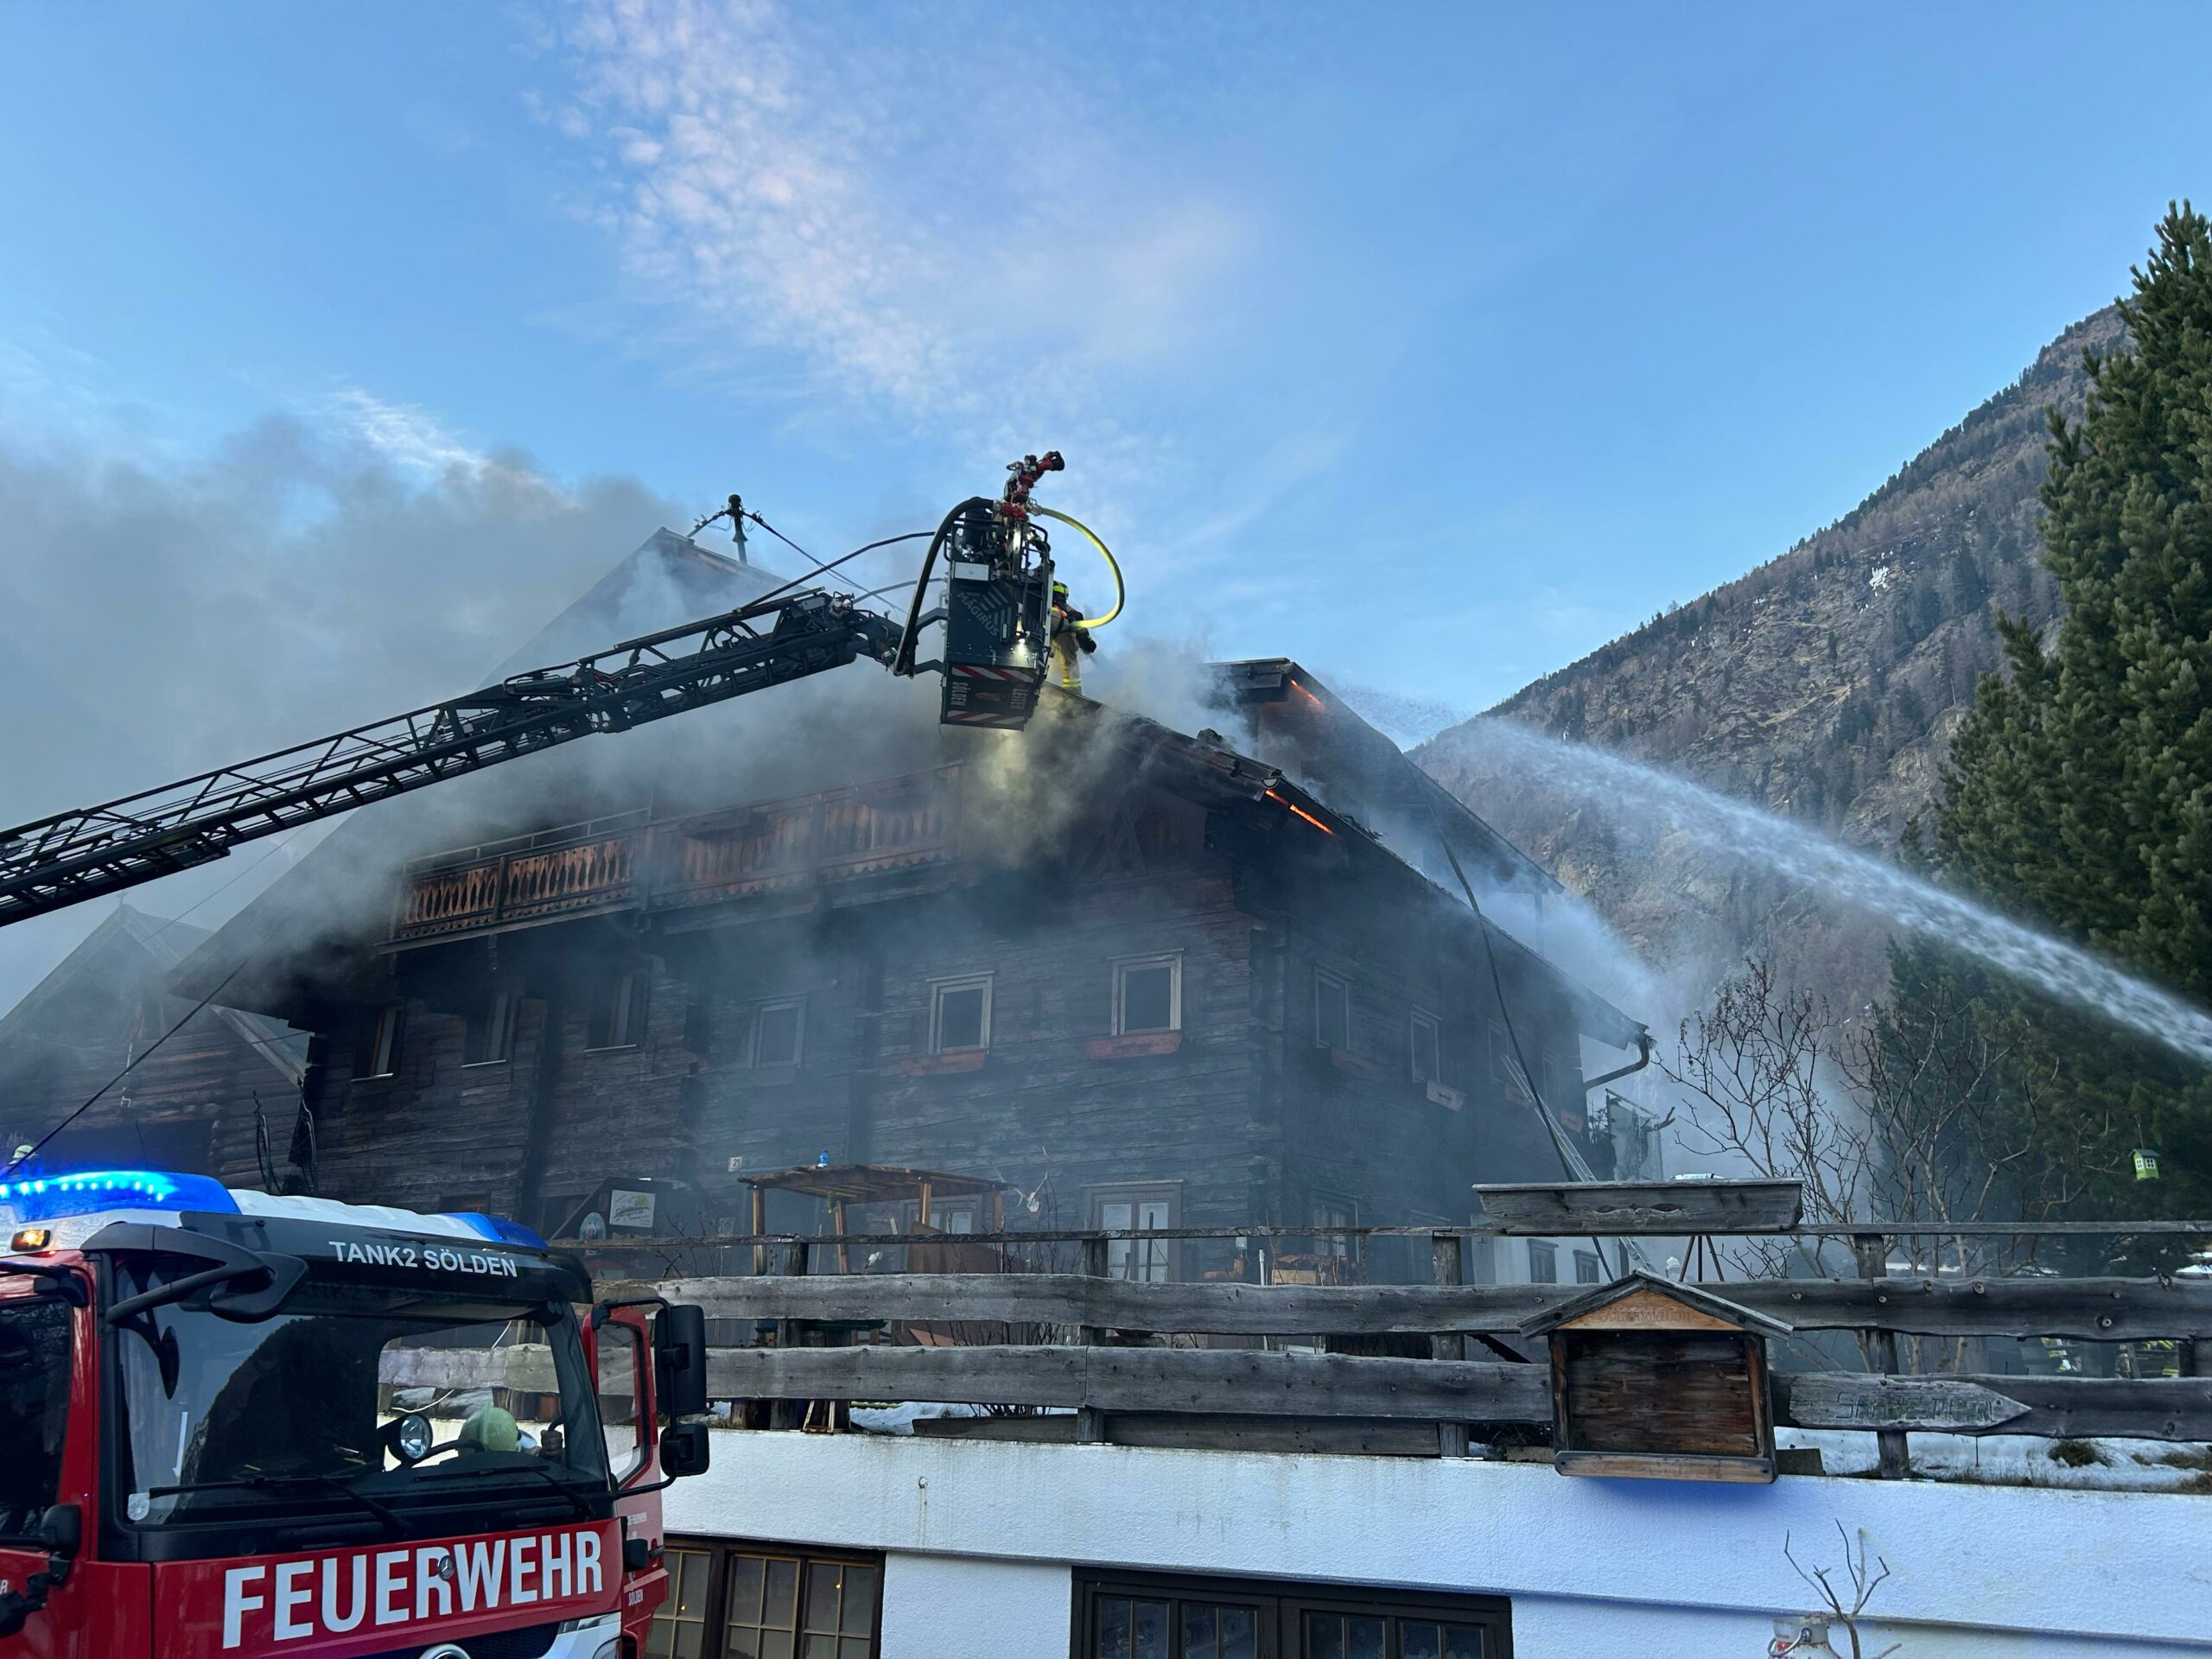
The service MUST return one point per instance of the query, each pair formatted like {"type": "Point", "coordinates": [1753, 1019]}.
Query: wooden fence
{"type": "Point", "coordinates": [1244, 1362]}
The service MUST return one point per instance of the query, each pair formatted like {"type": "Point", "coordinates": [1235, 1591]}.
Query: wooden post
{"type": "Point", "coordinates": [844, 1250]}
{"type": "Point", "coordinates": [760, 1226]}
{"type": "Point", "coordinates": [1444, 1255]}
{"type": "Point", "coordinates": [1893, 1457]}
{"type": "Point", "coordinates": [1089, 1421]}
{"type": "Point", "coordinates": [2193, 1357]}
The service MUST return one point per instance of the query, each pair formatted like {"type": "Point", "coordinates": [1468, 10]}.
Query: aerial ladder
{"type": "Point", "coordinates": [998, 616]}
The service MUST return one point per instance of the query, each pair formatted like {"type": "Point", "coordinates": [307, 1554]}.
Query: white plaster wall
{"type": "Point", "coordinates": [1593, 1567]}
{"type": "Point", "coordinates": [960, 1607]}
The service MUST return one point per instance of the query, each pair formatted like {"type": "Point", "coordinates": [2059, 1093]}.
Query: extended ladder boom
{"type": "Point", "coordinates": [64, 860]}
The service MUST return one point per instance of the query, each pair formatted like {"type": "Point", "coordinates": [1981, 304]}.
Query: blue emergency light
{"type": "Point", "coordinates": [499, 1229]}
{"type": "Point", "coordinates": [84, 1192]}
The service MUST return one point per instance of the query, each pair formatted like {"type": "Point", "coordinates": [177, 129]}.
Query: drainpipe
{"type": "Point", "coordinates": [1644, 1044]}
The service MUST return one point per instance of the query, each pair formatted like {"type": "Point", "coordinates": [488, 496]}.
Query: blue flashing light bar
{"type": "Point", "coordinates": [498, 1229]}
{"type": "Point", "coordinates": [87, 1192]}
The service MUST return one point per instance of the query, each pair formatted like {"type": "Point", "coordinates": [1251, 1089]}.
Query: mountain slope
{"type": "Point", "coordinates": [1824, 686]}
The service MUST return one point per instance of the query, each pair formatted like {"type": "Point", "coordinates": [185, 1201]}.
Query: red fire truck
{"type": "Point", "coordinates": [233, 1423]}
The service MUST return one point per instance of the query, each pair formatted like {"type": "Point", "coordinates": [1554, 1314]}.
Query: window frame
{"type": "Point", "coordinates": [1280, 1608]}
{"type": "Point", "coordinates": [1418, 1019]}
{"type": "Point", "coordinates": [1341, 1246]}
{"type": "Point", "coordinates": [627, 1006]}
{"type": "Point", "coordinates": [1326, 978]}
{"type": "Point", "coordinates": [498, 1013]}
{"type": "Point", "coordinates": [1596, 1264]}
{"type": "Point", "coordinates": [938, 989]}
{"type": "Point", "coordinates": [44, 1304]}
{"type": "Point", "coordinates": [385, 1034]}
{"type": "Point", "coordinates": [1136, 1194]}
{"type": "Point", "coordinates": [1549, 1257]}
{"type": "Point", "coordinates": [1172, 961]}
{"type": "Point", "coordinates": [753, 1061]}
{"type": "Point", "coordinates": [722, 1553]}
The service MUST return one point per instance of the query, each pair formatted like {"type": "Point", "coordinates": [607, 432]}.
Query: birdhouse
{"type": "Point", "coordinates": [1657, 1381]}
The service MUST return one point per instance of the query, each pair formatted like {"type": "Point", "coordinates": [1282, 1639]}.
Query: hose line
{"type": "Point", "coordinates": [1090, 536]}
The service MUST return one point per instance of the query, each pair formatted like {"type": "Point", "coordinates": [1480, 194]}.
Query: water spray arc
{"type": "Point", "coordinates": [1869, 885]}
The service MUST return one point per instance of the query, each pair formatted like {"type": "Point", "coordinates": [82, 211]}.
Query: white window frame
{"type": "Point", "coordinates": [1172, 961]}
{"type": "Point", "coordinates": [1421, 1017]}
{"type": "Point", "coordinates": [1547, 1251]}
{"type": "Point", "coordinates": [1154, 1262]}
{"type": "Point", "coordinates": [939, 989]}
{"type": "Point", "coordinates": [1341, 1246]}
{"type": "Point", "coordinates": [799, 1037]}
{"type": "Point", "coordinates": [1324, 978]}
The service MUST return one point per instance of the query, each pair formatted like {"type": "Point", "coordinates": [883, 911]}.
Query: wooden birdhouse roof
{"type": "Point", "coordinates": [1644, 1301]}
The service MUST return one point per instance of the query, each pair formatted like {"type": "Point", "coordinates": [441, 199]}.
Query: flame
{"type": "Point", "coordinates": [1299, 810]}
{"type": "Point", "coordinates": [1317, 703]}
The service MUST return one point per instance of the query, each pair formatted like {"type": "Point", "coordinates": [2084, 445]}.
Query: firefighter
{"type": "Point", "coordinates": [1069, 642]}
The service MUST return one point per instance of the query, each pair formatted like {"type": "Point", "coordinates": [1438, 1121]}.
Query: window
{"type": "Point", "coordinates": [487, 1038]}
{"type": "Point", "coordinates": [960, 1013]}
{"type": "Point", "coordinates": [34, 1409]}
{"type": "Point", "coordinates": [1127, 1616]}
{"type": "Point", "coordinates": [1501, 1055]}
{"type": "Point", "coordinates": [618, 1020]}
{"type": "Point", "coordinates": [1543, 1262]}
{"type": "Point", "coordinates": [1332, 1011]}
{"type": "Point", "coordinates": [767, 1601]}
{"type": "Point", "coordinates": [619, 1348]}
{"type": "Point", "coordinates": [380, 1041]}
{"type": "Point", "coordinates": [1147, 995]}
{"type": "Point", "coordinates": [1425, 1047]}
{"type": "Point", "coordinates": [1136, 1209]}
{"type": "Point", "coordinates": [777, 1027]}
{"type": "Point", "coordinates": [1589, 1268]}
{"type": "Point", "coordinates": [1336, 1212]}
{"type": "Point", "coordinates": [679, 1629]}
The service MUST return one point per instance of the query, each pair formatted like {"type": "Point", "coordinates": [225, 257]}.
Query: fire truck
{"type": "Point", "coordinates": [242, 1423]}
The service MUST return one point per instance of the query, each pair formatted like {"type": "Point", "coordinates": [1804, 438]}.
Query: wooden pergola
{"type": "Point", "coordinates": [842, 1185]}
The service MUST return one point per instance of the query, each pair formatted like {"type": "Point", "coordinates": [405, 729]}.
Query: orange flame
{"type": "Point", "coordinates": [1301, 811]}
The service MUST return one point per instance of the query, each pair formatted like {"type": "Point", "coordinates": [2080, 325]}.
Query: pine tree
{"type": "Point", "coordinates": [2079, 791]}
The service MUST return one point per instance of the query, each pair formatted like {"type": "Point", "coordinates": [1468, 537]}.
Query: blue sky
{"type": "Point", "coordinates": [1433, 344]}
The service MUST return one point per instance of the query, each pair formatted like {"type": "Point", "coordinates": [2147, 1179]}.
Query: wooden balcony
{"type": "Point", "coordinates": [837, 839]}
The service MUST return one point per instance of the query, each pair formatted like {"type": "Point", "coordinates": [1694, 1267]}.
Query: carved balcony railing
{"type": "Point", "coordinates": [789, 847]}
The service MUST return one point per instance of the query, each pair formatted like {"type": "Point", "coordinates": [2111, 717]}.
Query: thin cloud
{"type": "Point", "coordinates": [406, 435]}
{"type": "Point", "coordinates": [922, 235]}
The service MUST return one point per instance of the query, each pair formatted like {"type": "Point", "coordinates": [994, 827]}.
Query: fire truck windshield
{"type": "Point", "coordinates": [358, 1401]}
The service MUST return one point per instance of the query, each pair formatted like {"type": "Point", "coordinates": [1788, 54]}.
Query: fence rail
{"type": "Point", "coordinates": [1232, 1358]}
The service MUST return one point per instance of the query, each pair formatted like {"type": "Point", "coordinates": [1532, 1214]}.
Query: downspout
{"type": "Point", "coordinates": [1644, 1044]}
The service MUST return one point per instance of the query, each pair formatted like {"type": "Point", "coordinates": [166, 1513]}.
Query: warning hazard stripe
{"type": "Point", "coordinates": [979, 671]}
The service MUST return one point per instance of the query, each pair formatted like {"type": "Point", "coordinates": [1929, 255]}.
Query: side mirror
{"type": "Point", "coordinates": [683, 1450]}
{"type": "Point", "coordinates": [680, 1361]}
{"type": "Point", "coordinates": [62, 1530]}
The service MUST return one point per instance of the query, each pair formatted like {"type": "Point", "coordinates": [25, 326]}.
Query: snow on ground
{"type": "Point", "coordinates": [2105, 1466]}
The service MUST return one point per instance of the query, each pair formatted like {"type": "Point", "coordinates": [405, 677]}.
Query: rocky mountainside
{"type": "Point", "coordinates": [1824, 686]}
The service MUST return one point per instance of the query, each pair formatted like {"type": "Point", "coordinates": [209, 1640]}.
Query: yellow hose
{"type": "Point", "coordinates": [1120, 592]}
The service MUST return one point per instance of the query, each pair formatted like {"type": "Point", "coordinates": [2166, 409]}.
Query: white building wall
{"type": "Point", "coordinates": [980, 1539]}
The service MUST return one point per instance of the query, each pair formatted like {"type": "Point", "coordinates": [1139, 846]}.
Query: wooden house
{"type": "Point", "coordinates": [1143, 979]}
{"type": "Point", "coordinates": [1659, 1380]}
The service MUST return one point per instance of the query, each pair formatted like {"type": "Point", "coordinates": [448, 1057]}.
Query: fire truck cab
{"type": "Point", "coordinates": [239, 1423]}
